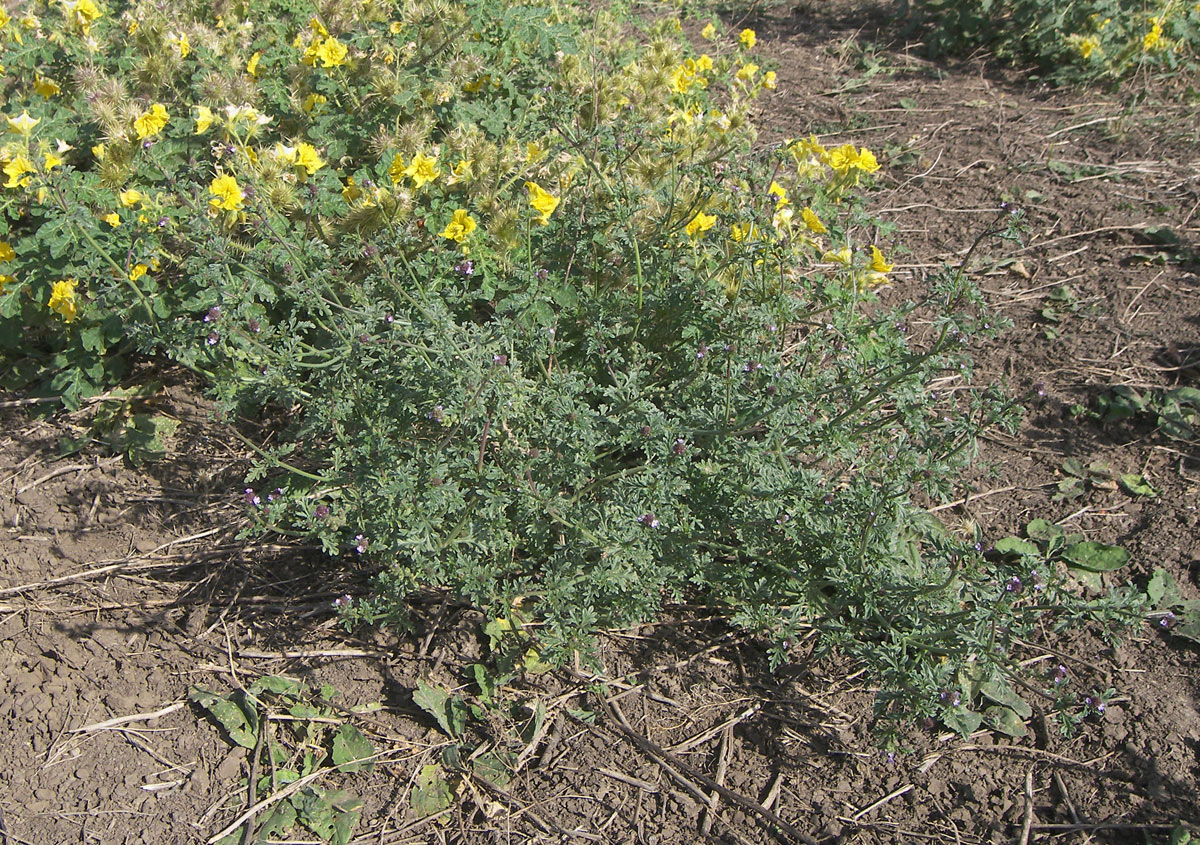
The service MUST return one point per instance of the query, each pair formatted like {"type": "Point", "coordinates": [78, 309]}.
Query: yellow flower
{"type": "Point", "coordinates": [1153, 37]}
{"type": "Point", "coordinates": [182, 45]}
{"type": "Point", "coordinates": [138, 271]}
{"type": "Point", "coordinates": [328, 51]}
{"type": "Point", "coordinates": [82, 13]}
{"type": "Point", "coordinates": [6, 251]}
{"type": "Point", "coordinates": [709, 32]}
{"type": "Point", "coordinates": [252, 65]}
{"type": "Point", "coordinates": [22, 125]}
{"type": "Point", "coordinates": [813, 222]}
{"type": "Point", "coordinates": [746, 72]}
{"type": "Point", "coordinates": [16, 169]}
{"type": "Point", "coordinates": [878, 263]}
{"type": "Point", "coordinates": [422, 170]}
{"type": "Point", "coordinates": [542, 201]}
{"type": "Point", "coordinates": [396, 169]}
{"type": "Point", "coordinates": [782, 219]}
{"type": "Point", "coordinates": [770, 80]}
{"type": "Point", "coordinates": [461, 172]}
{"type": "Point", "coordinates": [351, 192]}
{"type": "Point", "coordinates": [62, 299]}
{"type": "Point", "coordinates": [306, 157]}
{"type": "Point", "coordinates": [226, 195]}
{"type": "Point", "coordinates": [51, 161]}
{"type": "Point", "coordinates": [100, 151]}
{"type": "Point", "coordinates": [6, 279]}
{"type": "Point", "coordinates": [112, 219]}
{"type": "Point", "coordinates": [1088, 45]}
{"type": "Point", "coordinates": [748, 38]}
{"type": "Point", "coordinates": [460, 226]}
{"type": "Point", "coordinates": [845, 159]}
{"type": "Point", "coordinates": [843, 256]}
{"type": "Point", "coordinates": [739, 232]}
{"type": "Point", "coordinates": [130, 198]}
{"type": "Point", "coordinates": [699, 224]}
{"type": "Point", "coordinates": [204, 119]}
{"type": "Point", "coordinates": [150, 123]}
{"type": "Point", "coordinates": [779, 192]}
{"type": "Point", "coordinates": [46, 87]}
{"type": "Point", "coordinates": [704, 63]}
{"type": "Point", "coordinates": [312, 101]}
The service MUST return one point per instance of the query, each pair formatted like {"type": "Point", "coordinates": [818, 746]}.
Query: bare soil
{"type": "Point", "coordinates": [120, 587]}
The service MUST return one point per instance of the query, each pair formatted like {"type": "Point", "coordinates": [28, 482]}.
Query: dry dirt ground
{"type": "Point", "coordinates": [120, 588]}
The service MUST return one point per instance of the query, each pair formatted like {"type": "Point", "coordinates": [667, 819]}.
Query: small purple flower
{"type": "Point", "coordinates": [649, 520]}
{"type": "Point", "coordinates": [950, 697]}
{"type": "Point", "coordinates": [1013, 585]}
{"type": "Point", "coordinates": [364, 338]}
{"type": "Point", "coordinates": [465, 268]}
{"type": "Point", "coordinates": [360, 544]}
{"type": "Point", "coordinates": [342, 601]}
{"type": "Point", "coordinates": [436, 414]}
{"type": "Point", "coordinates": [645, 431]}
{"type": "Point", "coordinates": [542, 274]}
{"type": "Point", "coordinates": [782, 518]}
{"type": "Point", "coordinates": [680, 447]}
{"type": "Point", "coordinates": [275, 494]}
{"type": "Point", "coordinates": [389, 319]}
{"type": "Point", "coordinates": [751, 367]}
{"type": "Point", "coordinates": [1167, 622]}
{"type": "Point", "coordinates": [147, 144]}
{"type": "Point", "coordinates": [501, 360]}
{"type": "Point", "coordinates": [212, 338]}
{"type": "Point", "coordinates": [253, 325]}
{"type": "Point", "coordinates": [1039, 583]}
{"type": "Point", "coordinates": [213, 314]}
{"type": "Point", "coordinates": [828, 498]}
{"type": "Point", "coordinates": [162, 222]}
{"type": "Point", "coordinates": [702, 350]}
{"type": "Point", "coordinates": [321, 512]}
{"type": "Point", "coordinates": [251, 498]}
{"type": "Point", "coordinates": [1059, 675]}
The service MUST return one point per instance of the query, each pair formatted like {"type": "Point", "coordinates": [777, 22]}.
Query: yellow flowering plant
{"type": "Point", "coordinates": [532, 296]}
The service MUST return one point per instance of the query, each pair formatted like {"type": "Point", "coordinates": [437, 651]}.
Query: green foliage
{"type": "Point", "coordinates": [1070, 42]}
{"type": "Point", "coordinates": [1174, 411]}
{"type": "Point", "coordinates": [532, 316]}
{"type": "Point", "coordinates": [306, 737]}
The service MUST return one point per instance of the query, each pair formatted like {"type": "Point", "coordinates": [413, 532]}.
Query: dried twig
{"type": "Point", "coordinates": [1027, 822]}
{"type": "Point", "coordinates": [124, 720]}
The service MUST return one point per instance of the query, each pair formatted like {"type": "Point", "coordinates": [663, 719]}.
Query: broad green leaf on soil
{"type": "Point", "coordinates": [1095, 557]}
{"type": "Point", "coordinates": [281, 819]}
{"type": "Point", "coordinates": [1005, 720]}
{"type": "Point", "coordinates": [240, 720]}
{"type": "Point", "coordinates": [962, 721]}
{"type": "Point", "coordinates": [534, 727]}
{"type": "Point", "coordinates": [1074, 466]}
{"type": "Point", "coordinates": [431, 794]}
{"type": "Point", "coordinates": [492, 768]}
{"type": "Point", "coordinates": [346, 809]}
{"type": "Point", "coordinates": [1136, 485]}
{"type": "Point", "coordinates": [315, 811]}
{"type": "Point", "coordinates": [1172, 423]}
{"type": "Point", "coordinates": [277, 684]}
{"type": "Point", "coordinates": [999, 691]}
{"type": "Point", "coordinates": [1186, 395]}
{"type": "Point", "coordinates": [1180, 836]}
{"type": "Point", "coordinates": [450, 712]}
{"type": "Point", "coordinates": [349, 745]}
{"type": "Point", "coordinates": [1015, 546]}
{"type": "Point", "coordinates": [485, 682]}
{"type": "Point", "coordinates": [1043, 529]}
{"type": "Point", "coordinates": [1162, 589]}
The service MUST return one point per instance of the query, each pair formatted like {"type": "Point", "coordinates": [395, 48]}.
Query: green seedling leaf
{"type": "Point", "coordinates": [588, 717]}
{"type": "Point", "coordinates": [1068, 488]}
{"type": "Point", "coordinates": [450, 713]}
{"type": "Point", "coordinates": [1095, 557]}
{"type": "Point", "coordinates": [962, 721]}
{"type": "Point", "coordinates": [346, 809]}
{"type": "Point", "coordinates": [1172, 424]}
{"type": "Point", "coordinates": [240, 719]}
{"type": "Point", "coordinates": [1185, 396]}
{"type": "Point", "coordinates": [431, 794]}
{"type": "Point", "coordinates": [452, 758]}
{"type": "Point", "coordinates": [1073, 466]}
{"type": "Point", "coordinates": [534, 727]}
{"type": "Point", "coordinates": [1162, 590]}
{"type": "Point", "coordinates": [1163, 235]}
{"type": "Point", "coordinates": [315, 811]}
{"type": "Point", "coordinates": [1187, 625]}
{"type": "Point", "coordinates": [281, 819]}
{"type": "Point", "coordinates": [485, 682]}
{"type": "Point", "coordinates": [999, 691]}
{"type": "Point", "coordinates": [1136, 485]}
{"type": "Point", "coordinates": [349, 745]}
{"type": "Point", "coordinates": [492, 768]}
{"type": "Point", "coordinates": [1015, 546]}
{"type": "Point", "coordinates": [1044, 530]}
{"type": "Point", "coordinates": [276, 684]}
{"type": "Point", "coordinates": [1180, 836]}
{"type": "Point", "coordinates": [909, 104]}
{"type": "Point", "coordinates": [1005, 721]}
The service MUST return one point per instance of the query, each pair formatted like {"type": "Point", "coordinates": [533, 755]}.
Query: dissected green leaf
{"type": "Point", "coordinates": [349, 745]}
{"type": "Point", "coordinates": [1095, 557]}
